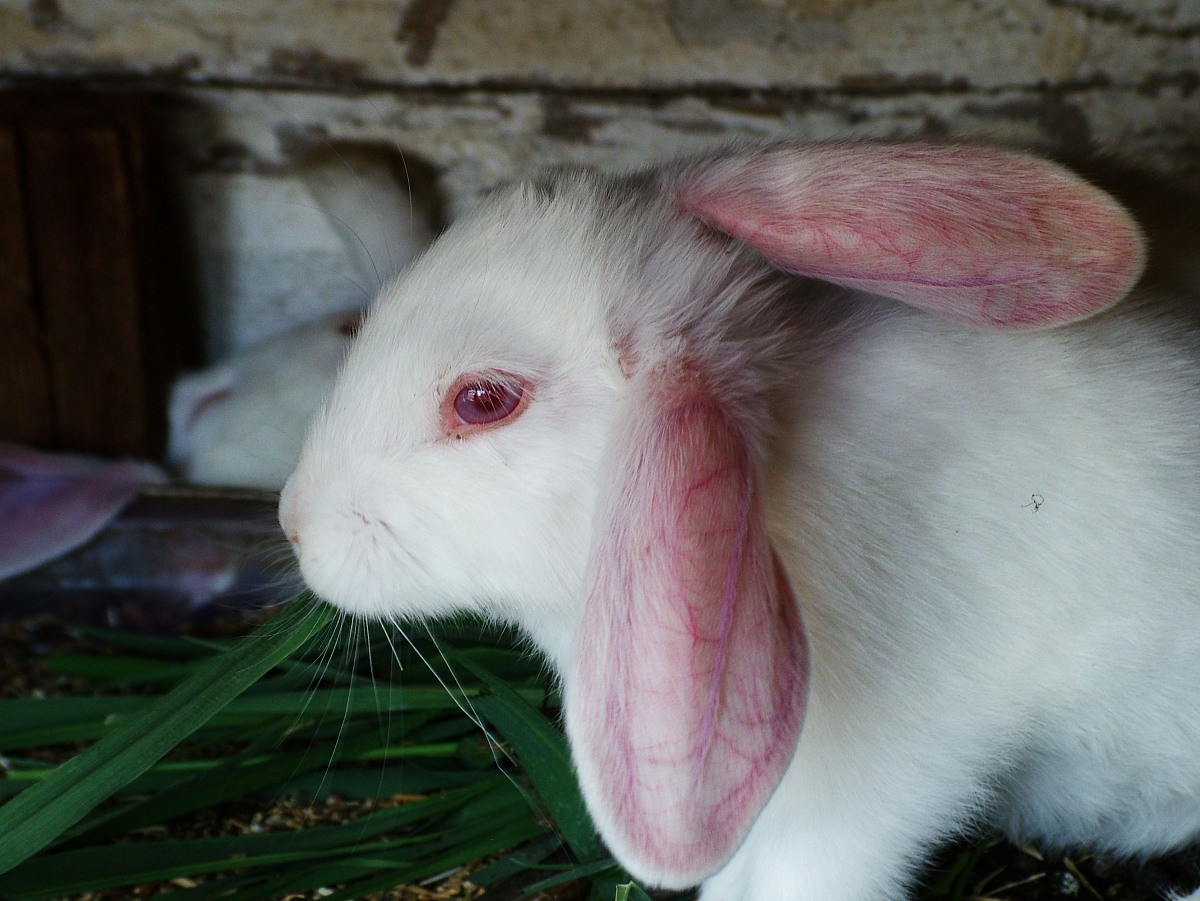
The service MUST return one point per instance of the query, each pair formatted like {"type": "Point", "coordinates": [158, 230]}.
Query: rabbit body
{"type": "Point", "coordinates": [986, 600]}
{"type": "Point", "coordinates": [996, 536]}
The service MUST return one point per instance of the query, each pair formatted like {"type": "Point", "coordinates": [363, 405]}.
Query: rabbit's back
{"type": "Point", "coordinates": [998, 536]}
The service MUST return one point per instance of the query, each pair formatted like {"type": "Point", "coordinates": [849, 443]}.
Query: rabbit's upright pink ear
{"type": "Point", "coordinates": [53, 503]}
{"type": "Point", "coordinates": [984, 236]}
{"type": "Point", "coordinates": [687, 692]}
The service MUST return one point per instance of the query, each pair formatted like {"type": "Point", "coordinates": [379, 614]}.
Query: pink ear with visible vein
{"type": "Point", "coordinates": [984, 236]}
{"type": "Point", "coordinates": [53, 503]}
{"type": "Point", "coordinates": [688, 690]}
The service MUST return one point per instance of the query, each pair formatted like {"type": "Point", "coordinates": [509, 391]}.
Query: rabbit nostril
{"type": "Point", "coordinates": [293, 539]}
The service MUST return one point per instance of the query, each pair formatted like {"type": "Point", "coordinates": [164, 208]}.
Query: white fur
{"type": "Point", "coordinates": [242, 422]}
{"type": "Point", "coordinates": [994, 539]}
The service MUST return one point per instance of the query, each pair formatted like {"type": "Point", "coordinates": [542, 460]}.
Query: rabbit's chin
{"type": "Point", "coordinates": [361, 595]}
{"type": "Point", "coordinates": [549, 625]}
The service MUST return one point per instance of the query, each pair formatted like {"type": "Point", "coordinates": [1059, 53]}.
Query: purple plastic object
{"type": "Point", "coordinates": [53, 503]}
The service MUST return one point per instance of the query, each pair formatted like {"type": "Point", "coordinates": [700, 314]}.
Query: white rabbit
{"type": "Point", "coordinates": [242, 421]}
{"type": "Point", "coordinates": [827, 578]}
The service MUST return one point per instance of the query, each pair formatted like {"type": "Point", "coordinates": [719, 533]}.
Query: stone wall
{"type": "Point", "coordinates": [482, 90]}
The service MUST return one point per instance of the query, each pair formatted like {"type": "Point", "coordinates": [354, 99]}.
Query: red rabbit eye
{"type": "Point", "coordinates": [487, 399]}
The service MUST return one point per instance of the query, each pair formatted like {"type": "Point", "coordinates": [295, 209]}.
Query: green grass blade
{"type": "Point", "coordinates": [545, 757]}
{"type": "Point", "coordinates": [109, 672]}
{"type": "Point", "coordinates": [30, 723]}
{"type": "Point", "coordinates": [630, 892]}
{"type": "Point", "coordinates": [182, 648]}
{"type": "Point", "coordinates": [577, 872]}
{"type": "Point", "coordinates": [34, 818]}
{"type": "Point", "coordinates": [527, 858]}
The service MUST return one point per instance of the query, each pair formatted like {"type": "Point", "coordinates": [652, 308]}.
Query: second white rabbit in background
{"type": "Point", "coordinates": [241, 422]}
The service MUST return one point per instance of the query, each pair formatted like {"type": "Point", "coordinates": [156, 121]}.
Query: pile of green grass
{"type": "Point", "coordinates": [451, 727]}
{"type": "Point", "coordinates": [455, 719]}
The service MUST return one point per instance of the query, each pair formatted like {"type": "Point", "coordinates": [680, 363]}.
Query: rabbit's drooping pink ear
{"type": "Point", "coordinates": [687, 692]}
{"type": "Point", "coordinates": [53, 503]}
{"type": "Point", "coordinates": [984, 236]}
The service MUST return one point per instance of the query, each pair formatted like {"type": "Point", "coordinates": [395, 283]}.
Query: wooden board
{"type": "Point", "coordinates": [26, 413]}
{"type": "Point", "coordinates": [94, 327]}
{"type": "Point", "coordinates": [86, 270]}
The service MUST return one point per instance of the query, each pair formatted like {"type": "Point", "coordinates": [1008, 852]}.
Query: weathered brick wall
{"type": "Point", "coordinates": [485, 89]}
{"type": "Point", "coordinates": [636, 44]}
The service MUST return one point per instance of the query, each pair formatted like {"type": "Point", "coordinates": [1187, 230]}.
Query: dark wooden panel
{"type": "Point", "coordinates": [170, 310]}
{"type": "Point", "coordinates": [87, 271]}
{"type": "Point", "coordinates": [26, 413]}
{"type": "Point", "coordinates": [97, 311]}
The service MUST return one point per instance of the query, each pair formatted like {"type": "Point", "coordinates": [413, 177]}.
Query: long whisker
{"type": "Point", "coordinates": [362, 289]}
{"type": "Point", "coordinates": [387, 730]}
{"type": "Point", "coordinates": [363, 244]}
{"type": "Point", "coordinates": [318, 674]}
{"type": "Point", "coordinates": [353, 627]}
{"type": "Point", "coordinates": [461, 701]}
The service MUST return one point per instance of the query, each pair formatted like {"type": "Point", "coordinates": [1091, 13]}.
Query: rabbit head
{"type": "Point", "coordinates": [562, 415]}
